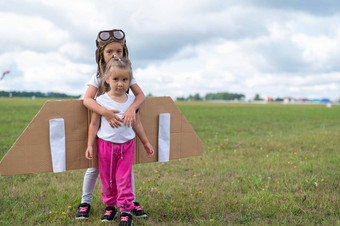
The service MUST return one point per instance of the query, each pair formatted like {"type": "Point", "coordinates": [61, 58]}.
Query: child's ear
{"type": "Point", "coordinates": [107, 80]}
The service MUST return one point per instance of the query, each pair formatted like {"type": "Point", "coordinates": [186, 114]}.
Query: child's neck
{"type": "Point", "coordinates": [118, 98]}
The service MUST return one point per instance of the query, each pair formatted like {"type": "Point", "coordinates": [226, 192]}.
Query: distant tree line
{"type": "Point", "coordinates": [224, 96]}
{"type": "Point", "coordinates": [241, 97]}
{"type": "Point", "coordinates": [36, 94]}
{"type": "Point", "coordinates": [214, 96]}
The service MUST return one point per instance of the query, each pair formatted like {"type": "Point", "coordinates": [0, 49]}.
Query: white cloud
{"type": "Point", "coordinates": [318, 50]}
{"type": "Point", "coordinates": [73, 50]}
{"type": "Point", "coordinates": [76, 12]}
{"type": "Point", "coordinates": [31, 32]}
{"type": "Point", "coordinates": [47, 72]}
{"type": "Point", "coordinates": [177, 47]}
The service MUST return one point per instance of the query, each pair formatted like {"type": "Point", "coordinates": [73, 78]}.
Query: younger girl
{"type": "Point", "coordinates": [109, 44]}
{"type": "Point", "coordinates": [115, 146]}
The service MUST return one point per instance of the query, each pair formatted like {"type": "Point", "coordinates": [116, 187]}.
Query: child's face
{"type": "Point", "coordinates": [113, 48]}
{"type": "Point", "coordinates": [119, 81]}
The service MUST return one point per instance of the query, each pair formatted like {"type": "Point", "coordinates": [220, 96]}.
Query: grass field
{"type": "Point", "coordinates": [262, 164]}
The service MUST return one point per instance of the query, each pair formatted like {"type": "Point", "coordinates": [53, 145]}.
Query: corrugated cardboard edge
{"type": "Point", "coordinates": [31, 154]}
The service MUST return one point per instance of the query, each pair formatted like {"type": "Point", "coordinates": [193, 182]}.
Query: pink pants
{"type": "Point", "coordinates": [115, 164]}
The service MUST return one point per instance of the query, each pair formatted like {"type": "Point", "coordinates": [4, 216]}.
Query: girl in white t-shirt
{"type": "Point", "coordinates": [109, 44]}
{"type": "Point", "coordinates": [115, 146]}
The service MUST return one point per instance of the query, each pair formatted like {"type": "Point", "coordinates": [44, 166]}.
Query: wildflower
{"type": "Point", "coordinates": [295, 153]}
{"type": "Point", "coordinates": [69, 207]}
{"type": "Point", "coordinates": [322, 179]}
{"type": "Point", "coordinates": [294, 167]}
{"type": "Point", "coordinates": [211, 220]}
{"type": "Point", "coordinates": [277, 155]}
{"type": "Point", "coordinates": [31, 203]}
{"type": "Point", "coordinates": [200, 192]}
{"type": "Point", "coordinates": [305, 157]}
{"type": "Point", "coordinates": [155, 171]}
{"type": "Point", "coordinates": [55, 211]}
{"type": "Point", "coordinates": [316, 184]}
{"type": "Point", "coordinates": [63, 213]}
{"type": "Point", "coordinates": [139, 189]}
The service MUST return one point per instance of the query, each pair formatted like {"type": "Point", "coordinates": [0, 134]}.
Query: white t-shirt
{"type": "Point", "coordinates": [96, 82]}
{"type": "Point", "coordinates": [118, 135]}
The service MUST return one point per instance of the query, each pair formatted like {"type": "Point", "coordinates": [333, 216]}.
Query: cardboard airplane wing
{"type": "Point", "coordinates": [33, 153]}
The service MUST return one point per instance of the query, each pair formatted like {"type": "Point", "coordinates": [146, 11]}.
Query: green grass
{"type": "Point", "coordinates": [262, 164]}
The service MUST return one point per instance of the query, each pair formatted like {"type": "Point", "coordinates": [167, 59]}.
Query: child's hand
{"type": "Point", "coordinates": [129, 117]}
{"type": "Point", "coordinates": [112, 118]}
{"type": "Point", "coordinates": [89, 153]}
{"type": "Point", "coordinates": [149, 150]}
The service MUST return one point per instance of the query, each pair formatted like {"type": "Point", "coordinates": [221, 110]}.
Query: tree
{"type": "Point", "coordinates": [195, 97]}
{"type": "Point", "coordinates": [224, 96]}
{"type": "Point", "coordinates": [257, 97]}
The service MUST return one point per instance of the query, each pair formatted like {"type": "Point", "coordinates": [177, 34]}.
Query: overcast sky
{"type": "Point", "coordinates": [177, 47]}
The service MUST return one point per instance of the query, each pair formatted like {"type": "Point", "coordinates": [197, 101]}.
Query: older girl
{"type": "Point", "coordinates": [109, 44]}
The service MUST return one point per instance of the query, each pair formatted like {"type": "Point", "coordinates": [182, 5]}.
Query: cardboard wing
{"type": "Point", "coordinates": [31, 153]}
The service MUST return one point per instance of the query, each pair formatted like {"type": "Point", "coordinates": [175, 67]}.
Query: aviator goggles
{"type": "Point", "coordinates": [105, 36]}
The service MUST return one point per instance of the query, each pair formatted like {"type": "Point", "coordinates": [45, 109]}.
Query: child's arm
{"type": "Point", "coordinates": [92, 134]}
{"type": "Point", "coordinates": [91, 104]}
{"type": "Point", "coordinates": [139, 130]}
{"type": "Point", "coordinates": [130, 115]}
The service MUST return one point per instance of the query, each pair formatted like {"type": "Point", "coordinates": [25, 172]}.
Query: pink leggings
{"type": "Point", "coordinates": [115, 164]}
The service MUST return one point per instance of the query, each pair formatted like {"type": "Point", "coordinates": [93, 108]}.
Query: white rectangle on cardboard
{"type": "Point", "coordinates": [57, 144]}
{"type": "Point", "coordinates": [164, 137]}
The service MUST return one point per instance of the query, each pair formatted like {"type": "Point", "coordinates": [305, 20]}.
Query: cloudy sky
{"type": "Point", "coordinates": [177, 48]}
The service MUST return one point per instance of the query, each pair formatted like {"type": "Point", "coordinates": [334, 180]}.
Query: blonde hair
{"type": "Point", "coordinates": [116, 62]}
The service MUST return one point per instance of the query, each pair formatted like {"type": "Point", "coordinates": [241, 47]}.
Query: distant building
{"type": "Point", "coordinates": [325, 100]}
{"type": "Point", "coordinates": [268, 98]}
{"type": "Point", "coordinates": [286, 100]}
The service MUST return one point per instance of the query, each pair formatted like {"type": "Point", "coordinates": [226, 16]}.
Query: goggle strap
{"type": "Point", "coordinates": [100, 61]}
